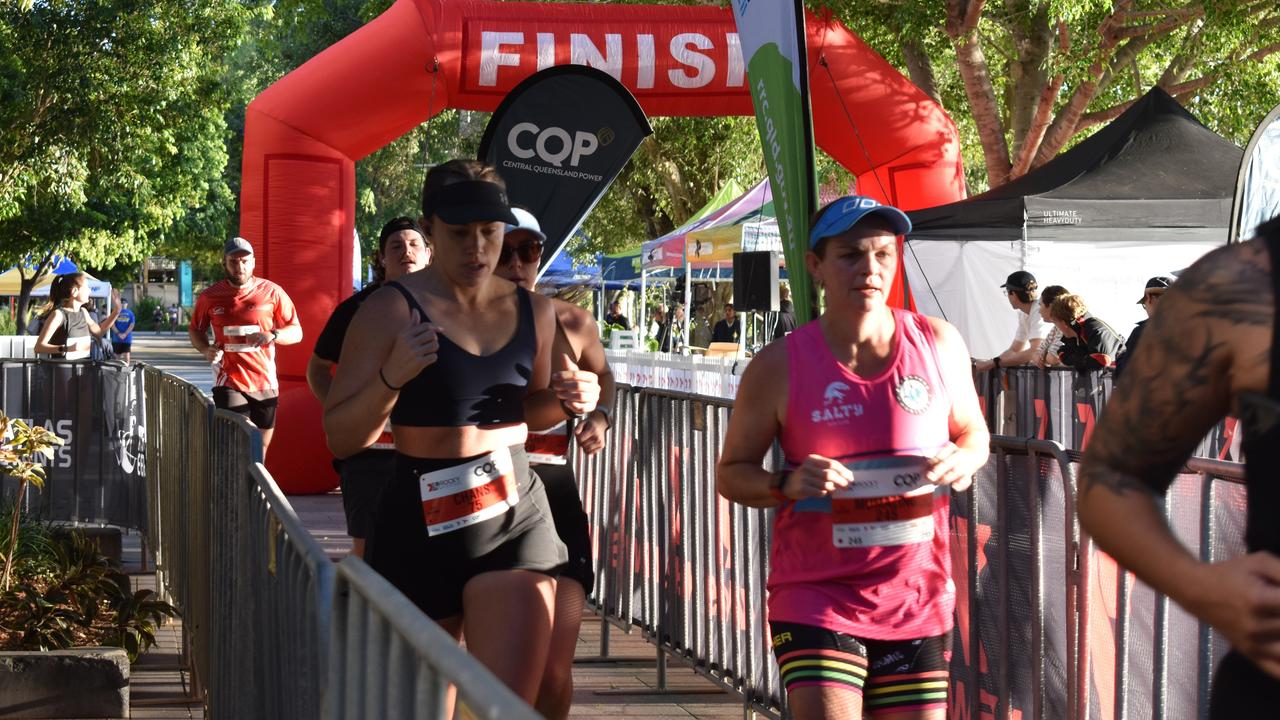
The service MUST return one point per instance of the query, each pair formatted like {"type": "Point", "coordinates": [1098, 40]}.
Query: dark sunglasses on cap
{"type": "Point", "coordinates": [530, 251]}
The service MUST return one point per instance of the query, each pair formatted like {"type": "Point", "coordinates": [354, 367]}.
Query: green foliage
{"type": "Point", "coordinates": [112, 134]}
{"type": "Point", "coordinates": [145, 312]}
{"type": "Point", "coordinates": [8, 323]}
{"type": "Point", "coordinates": [68, 594]}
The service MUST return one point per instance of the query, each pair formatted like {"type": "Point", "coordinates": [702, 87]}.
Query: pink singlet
{"type": "Point", "coordinates": [871, 561]}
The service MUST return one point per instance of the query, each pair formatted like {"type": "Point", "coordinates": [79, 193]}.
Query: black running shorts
{"type": "Point", "coordinates": [432, 569]}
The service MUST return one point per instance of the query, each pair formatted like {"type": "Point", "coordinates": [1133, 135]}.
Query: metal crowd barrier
{"type": "Point", "coordinates": [1063, 405]}
{"type": "Point", "coordinates": [388, 660]}
{"type": "Point", "coordinates": [1145, 656]}
{"type": "Point", "coordinates": [259, 591]}
{"type": "Point", "coordinates": [687, 569]}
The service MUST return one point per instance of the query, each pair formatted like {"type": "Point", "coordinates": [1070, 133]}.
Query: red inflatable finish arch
{"type": "Point", "coordinates": [305, 132]}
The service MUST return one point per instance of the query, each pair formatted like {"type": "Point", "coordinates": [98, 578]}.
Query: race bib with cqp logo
{"type": "Point", "coordinates": [466, 494]}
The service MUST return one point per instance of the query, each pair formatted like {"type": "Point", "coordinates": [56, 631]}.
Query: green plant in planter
{"type": "Point", "coordinates": [20, 446]}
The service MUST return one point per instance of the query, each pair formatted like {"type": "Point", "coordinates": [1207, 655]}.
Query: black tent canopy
{"type": "Point", "coordinates": [1155, 166]}
{"type": "Point", "coordinates": [1147, 194]}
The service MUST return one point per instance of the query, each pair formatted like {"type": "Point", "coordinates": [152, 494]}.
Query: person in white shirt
{"type": "Point", "coordinates": [1020, 290]}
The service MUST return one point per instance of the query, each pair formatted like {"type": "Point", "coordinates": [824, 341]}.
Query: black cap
{"type": "Point", "coordinates": [1156, 286]}
{"type": "Point", "coordinates": [469, 201]}
{"type": "Point", "coordinates": [1021, 280]}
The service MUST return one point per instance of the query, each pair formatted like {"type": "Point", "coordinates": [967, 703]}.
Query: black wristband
{"type": "Point", "coordinates": [390, 387]}
{"type": "Point", "coordinates": [996, 361]}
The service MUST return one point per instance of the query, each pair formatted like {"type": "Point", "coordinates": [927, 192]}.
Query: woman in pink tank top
{"type": "Point", "coordinates": [879, 422]}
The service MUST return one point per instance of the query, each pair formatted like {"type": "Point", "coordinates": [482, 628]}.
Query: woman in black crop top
{"type": "Point", "coordinates": [460, 361]}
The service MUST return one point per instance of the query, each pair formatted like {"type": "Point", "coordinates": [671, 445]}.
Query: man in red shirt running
{"type": "Point", "coordinates": [249, 317]}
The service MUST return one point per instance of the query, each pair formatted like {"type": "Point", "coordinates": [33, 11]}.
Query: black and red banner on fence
{"type": "Point", "coordinates": [98, 474]}
{"type": "Point", "coordinates": [1064, 406]}
{"type": "Point", "coordinates": [559, 139]}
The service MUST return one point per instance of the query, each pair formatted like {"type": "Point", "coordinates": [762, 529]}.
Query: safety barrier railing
{"type": "Point", "coordinates": [17, 346]}
{"type": "Point", "coordinates": [1064, 405]}
{"type": "Point", "coordinates": [255, 590]}
{"type": "Point", "coordinates": [178, 461]}
{"type": "Point", "coordinates": [687, 569]}
{"type": "Point", "coordinates": [388, 660]}
{"type": "Point", "coordinates": [262, 591]}
{"type": "Point", "coordinates": [1147, 657]}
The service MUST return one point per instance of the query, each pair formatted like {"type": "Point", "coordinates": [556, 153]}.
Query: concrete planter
{"type": "Point", "coordinates": [79, 682]}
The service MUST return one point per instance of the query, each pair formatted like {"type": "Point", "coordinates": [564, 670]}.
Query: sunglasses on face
{"type": "Point", "coordinates": [529, 251]}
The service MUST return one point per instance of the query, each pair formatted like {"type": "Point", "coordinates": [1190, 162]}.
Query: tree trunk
{"type": "Point", "coordinates": [986, 110]}
{"type": "Point", "coordinates": [1033, 41]}
{"type": "Point", "coordinates": [920, 69]}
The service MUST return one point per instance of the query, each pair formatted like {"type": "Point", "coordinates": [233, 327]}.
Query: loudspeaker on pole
{"type": "Point", "coordinates": [755, 281]}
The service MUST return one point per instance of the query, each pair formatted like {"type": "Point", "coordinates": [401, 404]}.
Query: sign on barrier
{"type": "Point", "coordinates": [98, 475]}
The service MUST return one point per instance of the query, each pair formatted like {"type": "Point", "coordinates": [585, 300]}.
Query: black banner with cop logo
{"type": "Point", "coordinates": [559, 139]}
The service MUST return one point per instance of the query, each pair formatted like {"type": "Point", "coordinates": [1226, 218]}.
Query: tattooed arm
{"type": "Point", "coordinates": [1209, 341]}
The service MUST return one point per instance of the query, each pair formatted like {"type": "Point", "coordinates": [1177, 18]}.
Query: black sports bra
{"type": "Point", "coordinates": [460, 388]}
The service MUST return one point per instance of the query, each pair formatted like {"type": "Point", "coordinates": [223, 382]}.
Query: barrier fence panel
{"type": "Point", "coordinates": [98, 474]}
{"type": "Point", "coordinates": [1014, 548]}
{"type": "Point", "coordinates": [291, 581]}
{"type": "Point", "coordinates": [1063, 405]}
{"type": "Point", "coordinates": [388, 660]}
{"type": "Point", "coordinates": [1146, 657]}
{"type": "Point", "coordinates": [178, 532]}
{"type": "Point", "coordinates": [1040, 622]}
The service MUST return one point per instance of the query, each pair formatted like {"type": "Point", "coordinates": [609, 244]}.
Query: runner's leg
{"type": "Point", "coordinates": [556, 693]}
{"type": "Point", "coordinates": [507, 622]}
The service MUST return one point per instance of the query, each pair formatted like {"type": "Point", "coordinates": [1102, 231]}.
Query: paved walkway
{"type": "Point", "coordinates": [622, 685]}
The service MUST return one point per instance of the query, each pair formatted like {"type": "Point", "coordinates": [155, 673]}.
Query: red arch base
{"type": "Point", "coordinates": [305, 132]}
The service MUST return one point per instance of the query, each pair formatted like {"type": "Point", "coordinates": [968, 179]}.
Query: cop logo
{"type": "Point", "coordinates": [913, 394]}
{"type": "Point", "coordinates": [552, 145]}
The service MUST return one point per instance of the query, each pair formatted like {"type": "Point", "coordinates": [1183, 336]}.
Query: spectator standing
{"type": "Point", "coordinates": [726, 330]}
{"type": "Point", "coordinates": [250, 316]}
{"type": "Point", "coordinates": [1087, 342]}
{"type": "Point", "coordinates": [402, 249]}
{"type": "Point", "coordinates": [68, 330]}
{"type": "Point", "coordinates": [675, 331]}
{"type": "Point", "coordinates": [1156, 287]}
{"type": "Point", "coordinates": [1047, 352]}
{"type": "Point", "coordinates": [615, 316]}
{"type": "Point", "coordinates": [122, 331]}
{"type": "Point", "coordinates": [786, 313]}
{"type": "Point", "coordinates": [659, 327]}
{"type": "Point", "coordinates": [1020, 290]}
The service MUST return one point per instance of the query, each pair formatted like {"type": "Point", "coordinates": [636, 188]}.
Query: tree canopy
{"type": "Point", "coordinates": [121, 123]}
{"type": "Point", "coordinates": [111, 125]}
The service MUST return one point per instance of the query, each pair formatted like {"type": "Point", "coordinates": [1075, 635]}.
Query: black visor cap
{"type": "Point", "coordinates": [469, 201]}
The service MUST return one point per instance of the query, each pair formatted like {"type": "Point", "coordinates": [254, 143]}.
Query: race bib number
{"type": "Point", "coordinates": [466, 494]}
{"type": "Point", "coordinates": [888, 503]}
{"type": "Point", "coordinates": [550, 447]}
{"type": "Point", "coordinates": [240, 348]}
{"type": "Point", "coordinates": [240, 330]}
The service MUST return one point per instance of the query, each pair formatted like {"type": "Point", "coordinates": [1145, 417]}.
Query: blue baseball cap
{"type": "Point", "coordinates": [846, 212]}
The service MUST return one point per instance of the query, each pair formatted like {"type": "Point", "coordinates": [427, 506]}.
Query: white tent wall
{"type": "Point", "coordinates": [1109, 274]}
{"type": "Point", "coordinates": [960, 281]}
